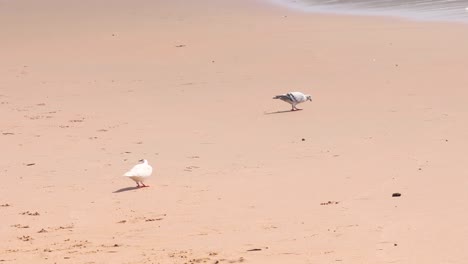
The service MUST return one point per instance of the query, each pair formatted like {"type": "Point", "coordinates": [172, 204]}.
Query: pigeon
{"type": "Point", "coordinates": [140, 172]}
{"type": "Point", "coordinates": [294, 98]}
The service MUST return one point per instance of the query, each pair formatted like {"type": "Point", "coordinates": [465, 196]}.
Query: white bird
{"type": "Point", "coordinates": [140, 172]}
{"type": "Point", "coordinates": [294, 98]}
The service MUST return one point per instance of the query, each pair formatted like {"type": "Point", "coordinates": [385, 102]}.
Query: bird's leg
{"type": "Point", "coordinates": [143, 185]}
{"type": "Point", "coordinates": [294, 108]}
{"type": "Point", "coordinates": [138, 185]}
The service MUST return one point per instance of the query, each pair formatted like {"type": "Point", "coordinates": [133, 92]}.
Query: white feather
{"type": "Point", "coordinates": [140, 172]}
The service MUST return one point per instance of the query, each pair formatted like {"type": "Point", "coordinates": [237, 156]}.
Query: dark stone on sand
{"type": "Point", "coordinates": [396, 194]}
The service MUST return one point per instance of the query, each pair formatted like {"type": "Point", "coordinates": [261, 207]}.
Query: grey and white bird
{"type": "Point", "coordinates": [294, 98]}
{"type": "Point", "coordinates": [140, 172]}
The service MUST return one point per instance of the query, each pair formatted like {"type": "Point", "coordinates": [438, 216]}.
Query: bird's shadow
{"type": "Point", "coordinates": [126, 189]}
{"type": "Point", "coordinates": [281, 112]}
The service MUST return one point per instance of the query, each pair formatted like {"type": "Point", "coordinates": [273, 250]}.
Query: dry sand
{"type": "Point", "coordinates": [89, 87]}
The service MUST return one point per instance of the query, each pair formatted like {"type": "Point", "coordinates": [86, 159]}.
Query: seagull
{"type": "Point", "coordinates": [140, 172]}
{"type": "Point", "coordinates": [294, 98]}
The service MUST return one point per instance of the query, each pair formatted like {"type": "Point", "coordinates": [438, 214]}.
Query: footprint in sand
{"type": "Point", "coordinates": [25, 238]}
{"type": "Point", "coordinates": [66, 227]}
{"type": "Point", "coordinates": [71, 226]}
{"type": "Point", "coordinates": [153, 219]}
{"type": "Point", "coordinates": [37, 117]}
{"type": "Point", "coordinates": [190, 168]}
{"type": "Point", "coordinates": [20, 226]}
{"type": "Point", "coordinates": [30, 213]}
{"type": "Point", "coordinates": [76, 120]}
{"type": "Point", "coordinates": [138, 219]}
{"type": "Point", "coordinates": [329, 203]}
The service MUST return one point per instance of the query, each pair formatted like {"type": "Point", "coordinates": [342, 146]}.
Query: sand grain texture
{"type": "Point", "coordinates": [88, 88]}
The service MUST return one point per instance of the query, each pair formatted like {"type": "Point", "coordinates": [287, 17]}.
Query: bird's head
{"type": "Point", "coordinates": [309, 98]}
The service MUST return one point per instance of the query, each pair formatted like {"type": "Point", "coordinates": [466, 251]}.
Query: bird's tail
{"type": "Point", "coordinates": [281, 96]}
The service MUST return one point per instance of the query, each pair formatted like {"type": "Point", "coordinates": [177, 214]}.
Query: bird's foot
{"type": "Point", "coordinates": [296, 109]}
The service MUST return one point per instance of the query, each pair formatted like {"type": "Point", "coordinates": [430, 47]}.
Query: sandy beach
{"type": "Point", "coordinates": [89, 88]}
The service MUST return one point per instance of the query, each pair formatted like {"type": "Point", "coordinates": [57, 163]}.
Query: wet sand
{"type": "Point", "coordinates": [421, 10]}
{"type": "Point", "coordinates": [89, 89]}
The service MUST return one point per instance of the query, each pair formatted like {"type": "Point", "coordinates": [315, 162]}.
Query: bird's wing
{"type": "Point", "coordinates": [134, 171]}
{"type": "Point", "coordinates": [286, 97]}
{"type": "Point", "coordinates": [298, 96]}
{"type": "Point", "coordinates": [148, 171]}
